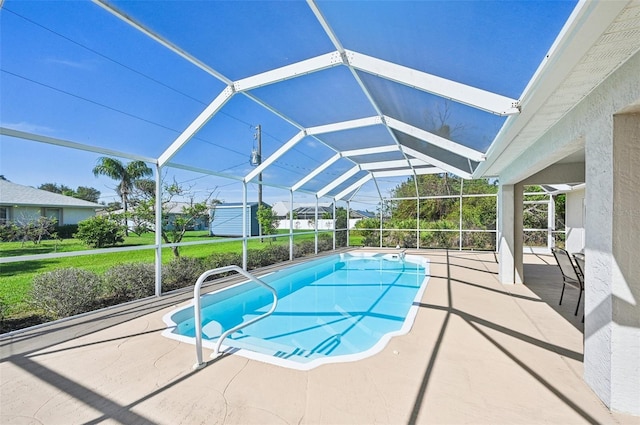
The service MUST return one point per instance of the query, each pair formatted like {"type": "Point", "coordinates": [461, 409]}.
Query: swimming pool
{"type": "Point", "coordinates": [339, 308]}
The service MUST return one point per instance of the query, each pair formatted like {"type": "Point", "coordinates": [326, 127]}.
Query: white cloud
{"type": "Point", "coordinates": [28, 127]}
{"type": "Point", "coordinates": [71, 63]}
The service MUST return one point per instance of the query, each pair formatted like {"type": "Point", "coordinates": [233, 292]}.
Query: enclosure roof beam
{"type": "Point", "coordinates": [434, 139]}
{"type": "Point", "coordinates": [354, 186]}
{"type": "Point", "coordinates": [399, 163]}
{"type": "Point", "coordinates": [338, 181]}
{"type": "Point", "coordinates": [175, 49]}
{"type": "Point", "coordinates": [274, 157]}
{"type": "Point", "coordinates": [287, 72]}
{"type": "Point", "coordinates": [338, 45]}
{"type": "Point", "coordinates": [440, 164]}
{"type": "Point", "coordinates": [325, 25]}
{"type": "Point", "coordinates": [74, 145]}
{"type": "Point", "coordinates": [345, 125]}
{"type": "Point", "coordinates": [462, 93]}
{"type": "Point", "coordinates": [196, 125]}
{"type": "Point", "coordinates": [315, 172]}
{"type": "Point", "coordinates": [406, 172]}
{"type": "Point", "coordinates": [371, 151]}
{"type": "Point", "coordinates": [228, 176]}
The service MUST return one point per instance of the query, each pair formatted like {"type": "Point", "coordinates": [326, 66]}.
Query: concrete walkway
{"type": "Point", "coordinates": [479, 352]}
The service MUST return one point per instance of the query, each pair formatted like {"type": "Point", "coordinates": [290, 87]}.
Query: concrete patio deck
{"type": "Point", "coordinates": [479, 352]}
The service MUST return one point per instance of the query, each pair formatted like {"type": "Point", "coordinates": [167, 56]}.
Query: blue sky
{"type": "Point", "coordinates": [72, 71]}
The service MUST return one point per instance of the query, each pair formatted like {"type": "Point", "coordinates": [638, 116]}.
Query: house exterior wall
{"type": "Point", "coordinates": [574, 221]}
{"type": "Point", "coordinates": [612, 290]}
{"type": "Point", "coordinates": [67, 215]}
{"type": "Point", "coordinates": [76, 215]}
{"type": "Point", "coordinates": [24, 214]}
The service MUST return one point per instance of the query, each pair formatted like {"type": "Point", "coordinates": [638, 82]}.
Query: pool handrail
{"type": "Point", "coordinates": [197, 313]}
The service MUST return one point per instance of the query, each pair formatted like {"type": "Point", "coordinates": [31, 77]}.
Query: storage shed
{"type": "Point", "coordinates": [226, 219]}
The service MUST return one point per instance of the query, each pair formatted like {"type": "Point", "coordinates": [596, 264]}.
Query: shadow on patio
{"type": "Point", "coordinates": [478, 352]}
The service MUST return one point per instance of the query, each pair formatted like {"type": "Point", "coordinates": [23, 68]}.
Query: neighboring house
{"type": "Point", "coordinates": [281, 209]}
{"type": "Point", "coordinates": [309, 213]}
{"type": "Point", "coordinates": [175, 209]}
{"type": "Point", "coordinates": [172, 210]}
{"type": "Point", "coordinates": [361, 214]}
{"type": "Point", "coordinates": [20, 203]}
{"type": "Point", "coordinates": [227, 219]}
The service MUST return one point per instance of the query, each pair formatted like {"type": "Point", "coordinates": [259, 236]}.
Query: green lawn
{"type": "Point", "coordinates": [16, 278]}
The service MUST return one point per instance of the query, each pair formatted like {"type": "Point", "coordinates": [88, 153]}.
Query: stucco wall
{"type": "Point", "coordinates": [612, 298]}
{"type": "Point", "coordinates": [76, 215]}
{"type": "Point", "coordinates": [574, 220]}
{"type": "Point", "coordinates": [25, 214]}
{"type": "Point", "coordinates": [69, 215]}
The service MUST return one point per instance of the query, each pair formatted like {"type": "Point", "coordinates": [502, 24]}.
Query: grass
{"type": "Point", "coordinates": [16, 278]}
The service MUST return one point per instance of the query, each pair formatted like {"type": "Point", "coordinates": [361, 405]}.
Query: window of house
{"type": "Point", "coordinates": [4, 215]}
{"type": "Point", "coordinates": [54, 213]}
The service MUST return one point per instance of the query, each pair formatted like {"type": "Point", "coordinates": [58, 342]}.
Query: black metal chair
{"type": "Point", "coordinates": [579, 259]}
{"type": "Point", "coordinates": [570, 274]}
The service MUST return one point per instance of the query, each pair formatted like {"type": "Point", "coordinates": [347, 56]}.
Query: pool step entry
{"type": "Point", "coordinates": [270, 348]}
{"type": "Point", "coordinates": [197, 311]}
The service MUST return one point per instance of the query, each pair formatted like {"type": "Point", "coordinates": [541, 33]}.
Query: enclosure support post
{"type": "Point", "coordinates": [244, 225]}
{"type": "Point", "coordinates": [158, 235]}
{"type": "Point", "coordinates": [381, 207]}
{"type": "Point", "coordinates": [460, 218]}
{"type": "Point", "coordinates": [316, 226]}
{"type": "Point", "coordinates": [418, 221]}
{"type": "Point", "coordinates": [291, 225]}
{"type": "Point", "coordinates": [334, 225]}
{"type": "Point", "coordinates": [551, 223]}
{"type": "Point", "coordinates": [348, 215]}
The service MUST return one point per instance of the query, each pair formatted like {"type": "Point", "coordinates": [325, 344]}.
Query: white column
{"type": "Point", "coordinates": [551, 222]}
{"type": "Point", "coordinates": [244, 225]}
{"type": "Point", "coordinates": [158, 235]}
{"type": "Point", "coordinates": [334, 225]}
{"type": "Point", "coordinates": [316, 228]}
{"type": "Point", "coordinates": [612, 288]}
{"type": "Point", "coordinates": [291, 225]}
{"type": "Point", "coordinates": [510, 233]}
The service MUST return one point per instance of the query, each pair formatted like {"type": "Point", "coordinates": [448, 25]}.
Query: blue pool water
{"type": "Point", "coordinates": [338, 308]}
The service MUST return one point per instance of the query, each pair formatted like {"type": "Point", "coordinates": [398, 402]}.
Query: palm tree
{"type": "Point", "coordinates": [127, 175]}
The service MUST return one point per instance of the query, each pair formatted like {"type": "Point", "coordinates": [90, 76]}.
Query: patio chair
{"type": "Point", "coordinates": [579, 259]}
{"type": "Point", "coordinates": [570, 274]}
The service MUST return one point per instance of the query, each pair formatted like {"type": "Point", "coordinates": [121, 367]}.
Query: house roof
{"type": "Point", "coordinates": [236, 204]}
{"type": "Point", "coordinates": [19, 195]}
{"type": "Point", "coordinates": [281, 208]}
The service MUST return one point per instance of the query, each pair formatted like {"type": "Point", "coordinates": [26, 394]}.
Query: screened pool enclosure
{"type": "Point", "coordinates": [429, 119]}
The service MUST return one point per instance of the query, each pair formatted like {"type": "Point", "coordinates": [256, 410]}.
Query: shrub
{"type": "Point", "coordinates": [257, 258]}
{"type": "Point", "coordinates": [279, 253]}
{"type": "Point", "coordinates": [325, 242]}
{"type": "Point", "coordinates": [221, 259]}
{"type": "Point", "coordinates": [182, 272]}
{"type": "Point", "coordinates": [9, 232]}
{"type": "Point", "coordinates": [4, 307]}
{"type": "Point", "coordinates": [341, 223]}
{"type": "Point", "coordinates": [100, 231]}
{"type": "Point", "coordinates": [66, 231]}
{"type": "Point", "coordinates": [130, 281]}
{"type": "Point", "coordinates": [66, 292]}
{"type": "Point", "coordinates": [304, 248]}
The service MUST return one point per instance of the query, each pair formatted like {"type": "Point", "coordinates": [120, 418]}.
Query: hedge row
{"type": "Point", "coordinates": [70, 291]}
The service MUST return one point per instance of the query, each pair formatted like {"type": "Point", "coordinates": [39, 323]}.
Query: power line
{"type": "Point", "coordinates": [147, 77]}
